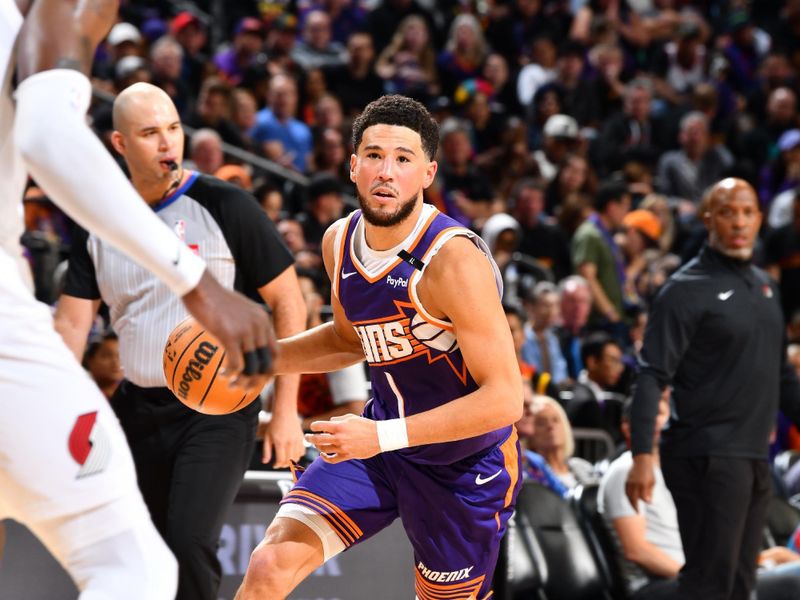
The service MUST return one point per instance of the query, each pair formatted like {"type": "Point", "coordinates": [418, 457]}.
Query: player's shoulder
{"type": "Point", "coordinates": [213, 191]}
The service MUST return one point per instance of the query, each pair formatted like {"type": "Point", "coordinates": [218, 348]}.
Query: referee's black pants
{"type": "Point", "coordinates": [722, 506]}
{"type": "Point", "coordinates": [189, 468]}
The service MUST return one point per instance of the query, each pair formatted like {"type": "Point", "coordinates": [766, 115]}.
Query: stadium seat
{"type": "Point", "coordinates": [594, 445]}
{"type": "Point", "coordinates": [782, 519]}
{"type": "Point", "coordinates": [606, 551]}
{"type": "Point", "coordinates": [557, 544]}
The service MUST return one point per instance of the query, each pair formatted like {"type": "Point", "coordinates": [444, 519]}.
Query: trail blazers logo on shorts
{"type": "Point", "coordinates": [89, 445]}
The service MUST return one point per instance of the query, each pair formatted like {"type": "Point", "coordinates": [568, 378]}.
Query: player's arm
{"type": "Point", "coordinates": [459, 285]}
{"type": "Point", "coordinates": [73, 321]}
{"type": "Point", "coordinates": [327, 347]}
{"type": "Point", "coordinates": [55, 48]}
{"type": "Point", "coordinates": [637, 549]}
{"type": "Point", "coordinates": [284, 433]}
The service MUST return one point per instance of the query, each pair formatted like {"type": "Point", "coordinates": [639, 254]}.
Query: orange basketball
{"type": "Point", "coordinates": [192, 359]}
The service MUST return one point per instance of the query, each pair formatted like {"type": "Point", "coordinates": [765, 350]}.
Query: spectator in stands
{"type": "Point", "coordinates": [576, 304]}
{"type": "Point", "coordinates": [639, 242]}
{"type": "Point", "coordinates": [552, 439]}
{"type": "Point", "coordinates": [577, 93]}
{"type": "Point", "coordinates": [487, 125]}
{"type": "Point", "coordinates": [191, 33]}
{"type": "Point", "coordinates": [213, 111]}
{"type": "Point", "coordinates": [324, 205]}
{"type": "Point", "coordinates": [347, 16]}
{"type": "Point", "coordinates": [774, 72]}
{"type": "Point", "coordinates": [355, 83]}
{"type": "Point", "coordinates": [317, 49]}
{"type": "Point", "coordinates": [292, 233]}
{"type": "Point", "coordinates": [686, 173]}
{"type": "Point", "coordinates": [742, 52]}
{"type": "Point", "coordinates": [536, 382]}
{"type": "Point", "coordinates": [382, 21]}
{"type": "Point", "coordinates": [497, 72]}
{"type": "Point", "coordinates": [541, 239]}
{"type": "Point", "coordinates": [546, 102]}
{"type": "Point", "coordinates": [330, 157]}
{"type": "Point", "coordinates": [101, 360]}
{"type": "Point", "coordinates": [233, 61]}
{"type": "Point", "coordinates": [534, 466]}
{"type": "Point", "coordinates": [237, 175]}
{"type": "Point", "coordinates": [593, 405]}
{"type": "Point", "coordinates": [328, 113]}
{"type": "Point", "coordinates": [561, 136]}
{"type": "Point", "coordinates": [283, 138]}
{"type": "Point", "coordinates": [323, 396]}
{"type": "Point", "coordinates": [782, 173]}
{"type": "Point", "coordinates": [782, 256]}
{"type": "Point", "coordinates": [205, 151]}
{"type": "Point", "coordinates": [599, 259]}
{"type": "Point", "coordinates": [270, 199]}
{"type": "Point", "coordinates": [243, 114]}
{"type": "Point", "coordinates": [649, 541]}
{"type": "Point", "coordinates": [541, 348]}
{"type": "Point", "coordinates": [608, 88]}
{"type": "Point", "coordinates": [618, 13]}
{"type": "Point", "coordinates": [313, 88]}
{"type": "Point", "coordinates": [760, 144]}
{"type": "Point", "coordinates": [408, 64]}
{"type": "Point", "coordinates": [124, 40]}
{"type": "Point", "coordinates": [463, 54]}
{"type": "Point", "coordinates": [281, 39]}
{"type": "Point", "coordinates": [632, 130]}
{"type": "Point", "coordinates": [466, 191]}
{"type": "Point", "coordinates": [680, 65]}
{"type": "Point", "coordinates": [166, 65]}
{"type": "Point", "coordinates": [574, 175]}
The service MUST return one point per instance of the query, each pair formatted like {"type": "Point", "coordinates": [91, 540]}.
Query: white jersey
{"type": "Point", "coordinates": [12, 171]}
{"type": "Point", "coordinates": [61, 448]}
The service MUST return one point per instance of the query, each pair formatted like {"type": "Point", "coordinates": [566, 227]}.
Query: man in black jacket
{"type": "Point", "coordinates": [716, 335]}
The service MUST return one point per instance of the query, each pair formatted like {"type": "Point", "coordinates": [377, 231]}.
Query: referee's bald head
{"type": "Point", "coordinates": [133, 97]}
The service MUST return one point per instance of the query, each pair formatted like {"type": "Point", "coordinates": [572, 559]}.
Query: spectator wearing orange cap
{"type": "Point", "coordinates": [639, 243]}
{"type": "Point", "coordinates": [237, 175]}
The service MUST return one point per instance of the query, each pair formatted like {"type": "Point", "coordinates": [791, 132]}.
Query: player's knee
{"type": "Point", "coordinates": [269, 573]}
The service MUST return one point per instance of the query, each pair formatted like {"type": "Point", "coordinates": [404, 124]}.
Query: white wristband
{"type": "Point", "coordinates": [392, 434]}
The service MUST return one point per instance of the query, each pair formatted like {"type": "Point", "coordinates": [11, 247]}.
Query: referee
{"type": "Point", "coordinates": [716, 335]}
{"type": "Point", "coordinates": [189, 465]}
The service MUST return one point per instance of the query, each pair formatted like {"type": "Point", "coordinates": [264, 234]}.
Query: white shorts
{"type": "Point", "coordinates": [62, 451]}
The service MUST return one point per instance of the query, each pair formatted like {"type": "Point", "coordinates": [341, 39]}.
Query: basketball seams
{"type": "Point", "coordinates": [178, 360]}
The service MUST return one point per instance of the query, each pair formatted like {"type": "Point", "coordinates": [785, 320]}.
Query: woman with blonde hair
{"type": "Point", "coordinates": [408, 64]}
{"type": "Point", "coordinates": [552, 439]}
{"type": "Point", "coordinates": [464, 53]}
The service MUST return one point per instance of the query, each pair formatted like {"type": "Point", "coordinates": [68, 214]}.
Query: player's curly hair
{"type": "Point", "coordinates": [403, 111]}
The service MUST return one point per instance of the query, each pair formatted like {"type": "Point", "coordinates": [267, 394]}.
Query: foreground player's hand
{"type": "Point", "coordinates": [242, 327]}
{"type": "Point", "coordinates": [640, 481]}
{"type": "Point", "coordinates": [345, 437]}
{"type": "Point", "coordinates": [284, 434]}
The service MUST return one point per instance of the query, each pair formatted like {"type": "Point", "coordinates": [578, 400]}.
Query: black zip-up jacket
{"type": "Point", "coordinates": [716, 334]}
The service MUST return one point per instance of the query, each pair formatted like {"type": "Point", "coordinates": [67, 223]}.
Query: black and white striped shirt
{"type": "Point", "coordinates": [218, 221]}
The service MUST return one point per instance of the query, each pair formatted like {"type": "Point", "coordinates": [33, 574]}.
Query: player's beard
{"type": "Point", "coordinates": [380, 219]}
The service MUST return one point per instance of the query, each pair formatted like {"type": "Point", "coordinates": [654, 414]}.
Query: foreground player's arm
{"type": "Point", "coordinates": [73, 321]}
{"type": "Point", "coordinates": [458, 285]}
{"type": "Point", "coordinates": [283, 432]}
{"type": "Point", "coordinates": [327, 347]}
{"type": "Point", "coordinates": [55, 49]}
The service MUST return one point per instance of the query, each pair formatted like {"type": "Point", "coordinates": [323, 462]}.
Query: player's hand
{"type": "Point", "coordinates": [641, 480]}
{"type": "Point", "coordinates": [345, 437]}
{"type": "Point", "coordinates": [242, 327]}
{"type": "Point", "coordinates": [284, 434]}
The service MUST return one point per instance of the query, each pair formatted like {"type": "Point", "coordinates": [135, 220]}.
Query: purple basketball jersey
{"type": "Point", "coordinates": [414, 359]}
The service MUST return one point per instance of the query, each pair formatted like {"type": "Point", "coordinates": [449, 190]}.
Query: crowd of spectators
{"type": "Point", "coordinates": [577, 138]}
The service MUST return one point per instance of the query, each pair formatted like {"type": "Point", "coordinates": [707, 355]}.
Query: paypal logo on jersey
{"type": "Point", "coordinates": [396, 283]}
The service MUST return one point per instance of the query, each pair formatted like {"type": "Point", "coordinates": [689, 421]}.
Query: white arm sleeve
{"type": "Point", "coordinates": [78, 174]}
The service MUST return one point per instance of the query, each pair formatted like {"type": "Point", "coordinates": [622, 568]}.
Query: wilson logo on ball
{"type": "Point", "coordinates": [194, 369]}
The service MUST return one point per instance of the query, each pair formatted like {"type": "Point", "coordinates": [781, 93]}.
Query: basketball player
{"type": "Point", "coordinates": [419, 297]}
{"type": "Point", "coordinates": [65, 470]}
{"type": "Point", "coordinates": [189, 465]}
